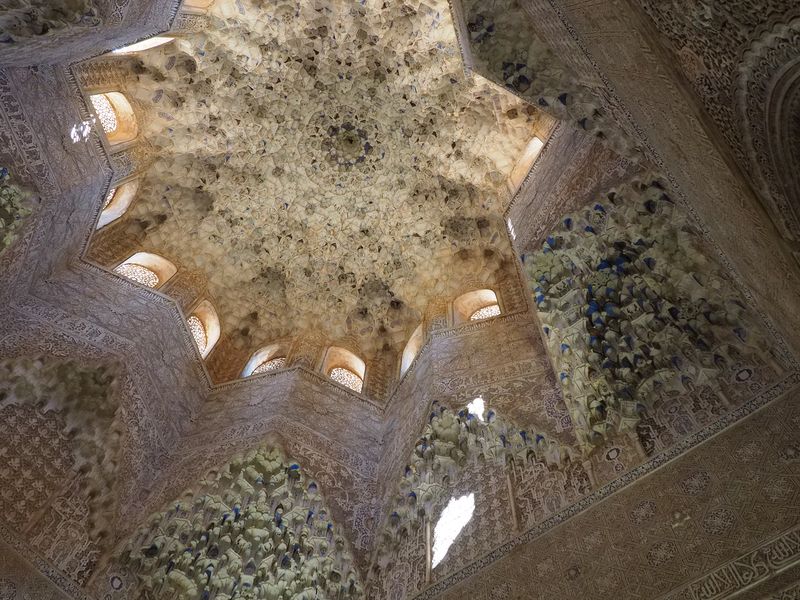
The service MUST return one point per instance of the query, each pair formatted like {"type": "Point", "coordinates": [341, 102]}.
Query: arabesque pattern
{"type": "Point", "coordinates": [457, 453]}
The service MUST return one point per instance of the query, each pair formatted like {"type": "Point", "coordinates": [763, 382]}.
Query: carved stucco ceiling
{"type": "Point", "coordinates": [329, 166]}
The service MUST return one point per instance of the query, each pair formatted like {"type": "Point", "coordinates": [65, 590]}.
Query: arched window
{"type": "Point", "coordinates": [345, 368]}
{"type": "Point", "coordinates": [116, 116]}
{"type": "Point", "coordinates": [146, 269]}
{"type": "Point", "coordinates": [475, 306]}
{"type": "Point", "coordinates": [197, 6]}
{"type": "Point", "coordinates": [152, 42]}
{"type": "Point", "coordinates": [204, 326]}
{"type": "Point", "coordinates": [487, 312]}
{"type": "Point", "coordinates": [270, 365]}
{"type": "Point", "coordinates": [412, 349]}
{"type": "Point", "coordinates": [524, 164]}
{"type": "Point", "coordinates": [268, 358]}
{"type": "Point", "coordinates": [117, 201]}
{"type": "Point", "coordinates": [347, 378]}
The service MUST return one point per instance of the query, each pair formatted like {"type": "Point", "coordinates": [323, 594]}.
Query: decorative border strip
{"type": "Point", "coordinates": [456, 12]}
{"type": "Point", "coordinates": [471, 326]}
{"type": "Point", "coordinates": [99, 145]}
{"type": "Point", "coordinates": [174, 10]}
{"type": "Point", "coordinates": [745, 571]}
{"type": "Point", "coordinates": [792, 592]}
{"type": "Point", "coordinates": [277, 426]}
{"type": "Point", "coordinates": [788, 384]}
{"type": "Point", "coordinates": [42, 565]}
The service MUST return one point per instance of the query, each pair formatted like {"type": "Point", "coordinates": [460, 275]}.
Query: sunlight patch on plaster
{"type": "Point", "coordinates": [80, 131]}
{"type": "Point", "coordinates": [152, 42]}
{"type": "Point", "coordinates": [455, 517]}
{"type": "Point", "coordinates": [477, 407]}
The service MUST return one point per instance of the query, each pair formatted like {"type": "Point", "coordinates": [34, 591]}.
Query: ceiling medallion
{"type": "Point", "coordinates": [345, 148]}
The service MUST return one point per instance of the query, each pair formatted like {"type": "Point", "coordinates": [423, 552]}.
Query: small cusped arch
{"type": "Point", "coordinates": [153, 42]}
{"type": "Point", "coordinates": [204, 326]}
{"type": "Point", "coordinates": [344, 368]}
{"type": "Point", "coordinates": [412, 349]}
{"type": "Point", "coordinates": [116, 116]}
{"type": "Point", "coordinates": [268, 358]}
{"type": "Point", "coordinates": [150, 270]}
{"type": "Point", "coordinates": [117, 201]}
{"type": "Point", "coordinates": [476, 306]}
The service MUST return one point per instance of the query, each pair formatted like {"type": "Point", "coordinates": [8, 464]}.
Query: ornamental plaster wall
{"type": "Point", "coordinates": [150, 434]}
{"type": "Point", "coordinates": [555, 187]}
{"type": "Point", "coordinates": [139, 317]}
{"type": "Point", "coordinates": [21, 580]}
{"type": "Point", "coordinates": [71, 179]}
{"type": "Point", "coordinates": [41, 497]}
{"type": "Point", "coordinates": [642, 81]}
{"type": "Point", "coordinates": [543, 497]}
{"type": "Point", "coordinates": [458, 455]}
{"type": "Point", "coordinates": [538, 496]}
{"type": "Point", "coordinates": [272, 534]}
{"type": "Point", "coordinates": [333, 430]}
{"type": "Point", "coordinates": [108, 24]}
{"type": "Point", "coordinates": [457, 365]}
{"type": "Point", "coordinates": [739, 59]}
{"type": "Point", "coordinates": [357, 162]}
{"type": "Point", "coordinates": [596, 299]}
{"type": "Point", "coordinates": [694, 530]}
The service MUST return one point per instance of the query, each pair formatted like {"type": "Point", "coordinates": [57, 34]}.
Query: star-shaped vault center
{"type": "Point", "coordinates": [329, 166]}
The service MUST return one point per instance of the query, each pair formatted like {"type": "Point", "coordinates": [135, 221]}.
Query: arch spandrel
{"type": "Point", "coordinates": [459, 453]}
{"type": "Point", "coordinates": [346, 488]}
{"type": "Point", "coordinates": [254, 521]}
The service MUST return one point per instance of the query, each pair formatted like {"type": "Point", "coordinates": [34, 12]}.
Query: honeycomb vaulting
{"type": "Point", "coordinates": [329, 166]}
